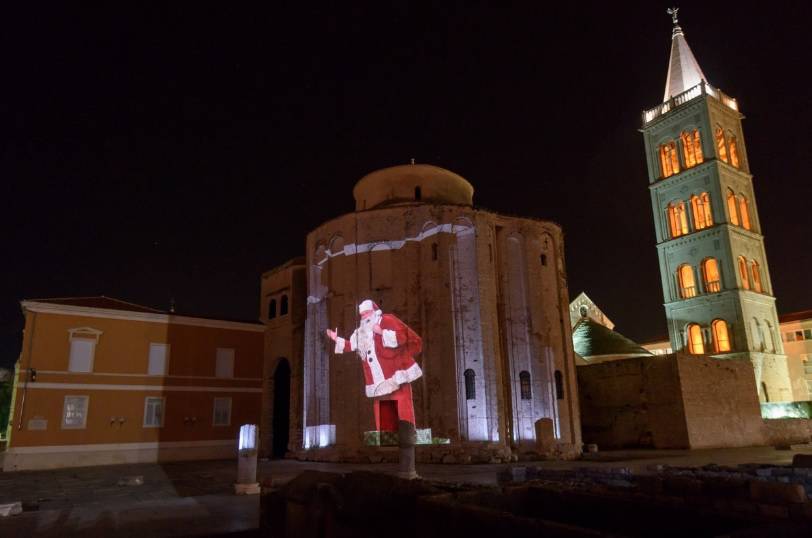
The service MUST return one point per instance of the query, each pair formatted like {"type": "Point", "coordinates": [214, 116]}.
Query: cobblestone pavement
{"type": "Point", "coordinates": [196, 498]}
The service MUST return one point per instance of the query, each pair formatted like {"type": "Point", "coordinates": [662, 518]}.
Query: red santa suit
{"type": "Point", "coordinates": [388, 361]}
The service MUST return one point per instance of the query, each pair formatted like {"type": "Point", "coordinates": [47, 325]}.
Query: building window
{"type": "Point", "coordinates": [74, 412]}
{"type": "Point", "coordinates": [272, 309]}
{"type": "Point", "coordinates": [669, 160]}
{"type": "Point", "coordinates": [731, 208]}
{"type": "Point", "coordinates": [758, 336]}
{"type": "Point", "coordinates": [158, 354]}
{"type": "Point", "coordinates": [710, 275]}
{"type": "Point", "coordinates": [82, 349]}
{"type": "Point", "coordinates": [756, 270]}
{"type": "Point", "coordinates": [559, 385]}
{"type": "Point", "coordinates": [524, 385]}
{"type": "Point", "coordinates": [696, 346]}
{"type": "Point", "coordinates": [789, 337]}
{"type": "Point", "coordinates": [470, 384]}
{"type": "Point", "coordinates": [687, 285]}
{"type": "Point", "coordinates": [677, 218]}
{"type": "Point", "coordinates": [418, 193]}
{"type": "Point", "coordinates": [721, 337]}
{"type": "Point", "coordinates": [222, 412]}
{"type": "Point", "coordinates": [734, 152]}
{"type": "Point", "coordinates": [434, 252]}
{"type": "Point", "coordinates": [807, 334]}
{"type": "Point", "coordinates": [769, 343]}
{"type": "Point", "coordinates": [700, 205]}
{"type": "Point", "coordinates": [543, 259]}
{"type": "Point", "coordinates": [743, 273]}
{"type": "Point", "coordinates": [721, 147]}
{"type": "Point", "coordinates": [283, 306]}
{"type": "Point", "coordinates": [153, 412]}
{"type": "Point", "coordinates": [691, 148]}
{"type": "Point", "coordinates": [744, 212]}
{"type": "Point", "coordinates": [224, 362]}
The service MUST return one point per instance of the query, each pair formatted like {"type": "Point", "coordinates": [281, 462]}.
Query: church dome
{"type": "Point", "coordinates": [412, 183]}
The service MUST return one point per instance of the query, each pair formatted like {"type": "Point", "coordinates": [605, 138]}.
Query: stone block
{"type": "Point", "coordinates": [776, 492]}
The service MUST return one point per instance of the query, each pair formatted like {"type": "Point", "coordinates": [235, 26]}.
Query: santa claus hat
{"type": "Point", "coordinates": [367, 306]}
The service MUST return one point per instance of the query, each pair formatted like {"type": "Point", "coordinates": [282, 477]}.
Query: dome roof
{"type": "Point", "coordinates": [412, 183]}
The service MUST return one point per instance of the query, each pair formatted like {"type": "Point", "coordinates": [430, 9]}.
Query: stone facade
{"type": "Point", "coordinates": [674, 401]}
{"type": "Point", "coordinates": [487, 294]}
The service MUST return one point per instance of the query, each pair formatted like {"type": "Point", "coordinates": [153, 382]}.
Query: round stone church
{"type": "Point", "coordinates": [419, 307]}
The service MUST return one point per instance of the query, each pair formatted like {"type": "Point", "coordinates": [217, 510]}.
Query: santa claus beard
{"type": "Point", "coordinates": [365, 334]}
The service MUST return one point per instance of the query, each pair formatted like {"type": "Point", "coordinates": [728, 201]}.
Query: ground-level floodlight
{"type": "Point", "coordinates": [247, 461]}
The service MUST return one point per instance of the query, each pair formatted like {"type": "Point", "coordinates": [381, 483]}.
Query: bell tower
{"type": "Point", "coordinates": [717, 292]}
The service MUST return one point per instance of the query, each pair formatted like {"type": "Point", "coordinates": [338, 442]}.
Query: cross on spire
{"type": "Point", "coordinates": [673, 12]}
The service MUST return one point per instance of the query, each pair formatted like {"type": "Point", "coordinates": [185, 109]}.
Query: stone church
{"type": "Point", "coordinates": [486, 294]}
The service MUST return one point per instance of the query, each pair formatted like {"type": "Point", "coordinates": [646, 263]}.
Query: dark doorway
{"type": "Point", "coordinates": [281, 409]}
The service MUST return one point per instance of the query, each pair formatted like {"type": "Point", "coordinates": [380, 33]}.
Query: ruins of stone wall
{"type": "Point", "coordinates": [720, 401]}
{"type": "Point", "coordinates": [782, 432]}
{"type": "Point", "coordinates": [632, 402]}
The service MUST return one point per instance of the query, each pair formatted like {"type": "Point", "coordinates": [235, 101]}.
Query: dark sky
{"type": "Point", "coordinates": [180, 151]}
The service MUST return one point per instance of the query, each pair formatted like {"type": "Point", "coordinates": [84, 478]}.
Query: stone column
{"type": "Point", "coordinates": [407, 438]}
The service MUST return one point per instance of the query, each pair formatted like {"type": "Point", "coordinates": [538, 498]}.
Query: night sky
{"type": "Point", "coordinates": [180, 151]}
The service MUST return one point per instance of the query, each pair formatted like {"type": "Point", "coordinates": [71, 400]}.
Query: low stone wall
{"type": "Point", "coordinates": [787, 431]}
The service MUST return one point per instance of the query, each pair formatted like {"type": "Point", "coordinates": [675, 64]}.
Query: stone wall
{"type": "Point", "coordinates": [672, 401]}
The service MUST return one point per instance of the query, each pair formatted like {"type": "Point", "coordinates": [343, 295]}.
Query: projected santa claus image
{"type": "Point", "coordinates": [387, 348]}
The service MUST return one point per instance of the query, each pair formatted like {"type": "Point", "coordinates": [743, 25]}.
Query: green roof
{"type": "Point", "coordinates": [591, 339]}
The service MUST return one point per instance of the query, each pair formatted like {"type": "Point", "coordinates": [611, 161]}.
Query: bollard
{"type": "Point", "coordinates": [247, 461]}
{"type": "Point", "coordinates": [407, 438]}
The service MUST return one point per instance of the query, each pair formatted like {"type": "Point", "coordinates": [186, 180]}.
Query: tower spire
{"type": "Point", "coordinates": [683, 70]}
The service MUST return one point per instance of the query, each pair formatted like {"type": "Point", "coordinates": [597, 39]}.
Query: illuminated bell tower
{"type": "Point", "coordinates": [716, 282]}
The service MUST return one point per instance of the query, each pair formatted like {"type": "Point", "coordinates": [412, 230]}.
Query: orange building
{"type": "Point", "coordinates": [103, 381]}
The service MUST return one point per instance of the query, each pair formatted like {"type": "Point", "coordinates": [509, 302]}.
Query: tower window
{"type": "Point", "coordinates": [687, 285]}
{"type": "Point", "coordinates": [691, 148]}
{"type": "Point", "coordinates": [418, 193]}
{"type": "Point", "coordinates": [721, 147]}
{"type": "Point", "coordinates": [744, 212]}
{"type": "Point", "coordinates": [677, 218]}
{"type": "Point", "coordinates": [524, 385]}
{"type": "Point", "coordinates": [731, 208]}
{"type": "Point", "coordinates": [559, 385]}
{"type": "Point", "coordinates": [434, 251]}
{"type": "Point", "coordinates": [543, 259]}
{"type": "Point", "coordinates": [756, 270]}
{"type": "Point", "coordinates": [283, 305]}
{"type": "Point", "coordinates": [696, 345]}
{"type": "Point", "coordinates": [743, 273]}
{"type": "Point", "coordinates": [734, 151]}
{"type": "Point", "coordinates": [721, 338]}
{"type": "Point", "coordinates": [470, 384]}
{"type": "Point", "coordinates": [272, 309]}
{"type": "Point", "coordinates": [700, 205]}
{"type": "Point", "coordinates": [669, 160]}
{"type": "Point", "coordinates": [710, 275]}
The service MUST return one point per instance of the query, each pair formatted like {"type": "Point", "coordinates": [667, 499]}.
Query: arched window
{"type": "Point", "coordinates": [272, 309]}
{"type": "Point", "coordinates": [691, 148]}
{"type": "Point", "coordinates": [283, 305]}
{"type": "Point", "coordinates": [418, 193]}
{"type": "Point", "coordinates": [721, 147]}
{"type": "Point", "coordinates": [710, 275]}
{"type": "Point", "coordinates": [687, 284]}
{"type": "Point", "coordinates": [559, 385]}
{"type": "Point", "coordinates": [696, 346]}
{"type": "Point", "coordinates": [669, 160]}
{"type": "Point", "coordinates": [743, 273]}
{"type": "Point", "coordinates": [744, 212]}
{"type": "Point", "coordinates": [700, 205]}
{"type": "Point", "coordinates": [470, 384]}
{"type": "Point", "coordinates": [756, 270]}
{"type": "Point", "coordinates": [758, 335]}
{"type": "Point", "coordinates": [731, 208]}
{"type": "Point", "coordinates": [734, 151]}
{"type": "Point", "coordinates": [677, 218]}
{"type": "Point", "coordinates": [524, 385]}
{"type": "Point", "coordinates": [769, 341]}
{"type": "Point", "coordinates": [721, 338]}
